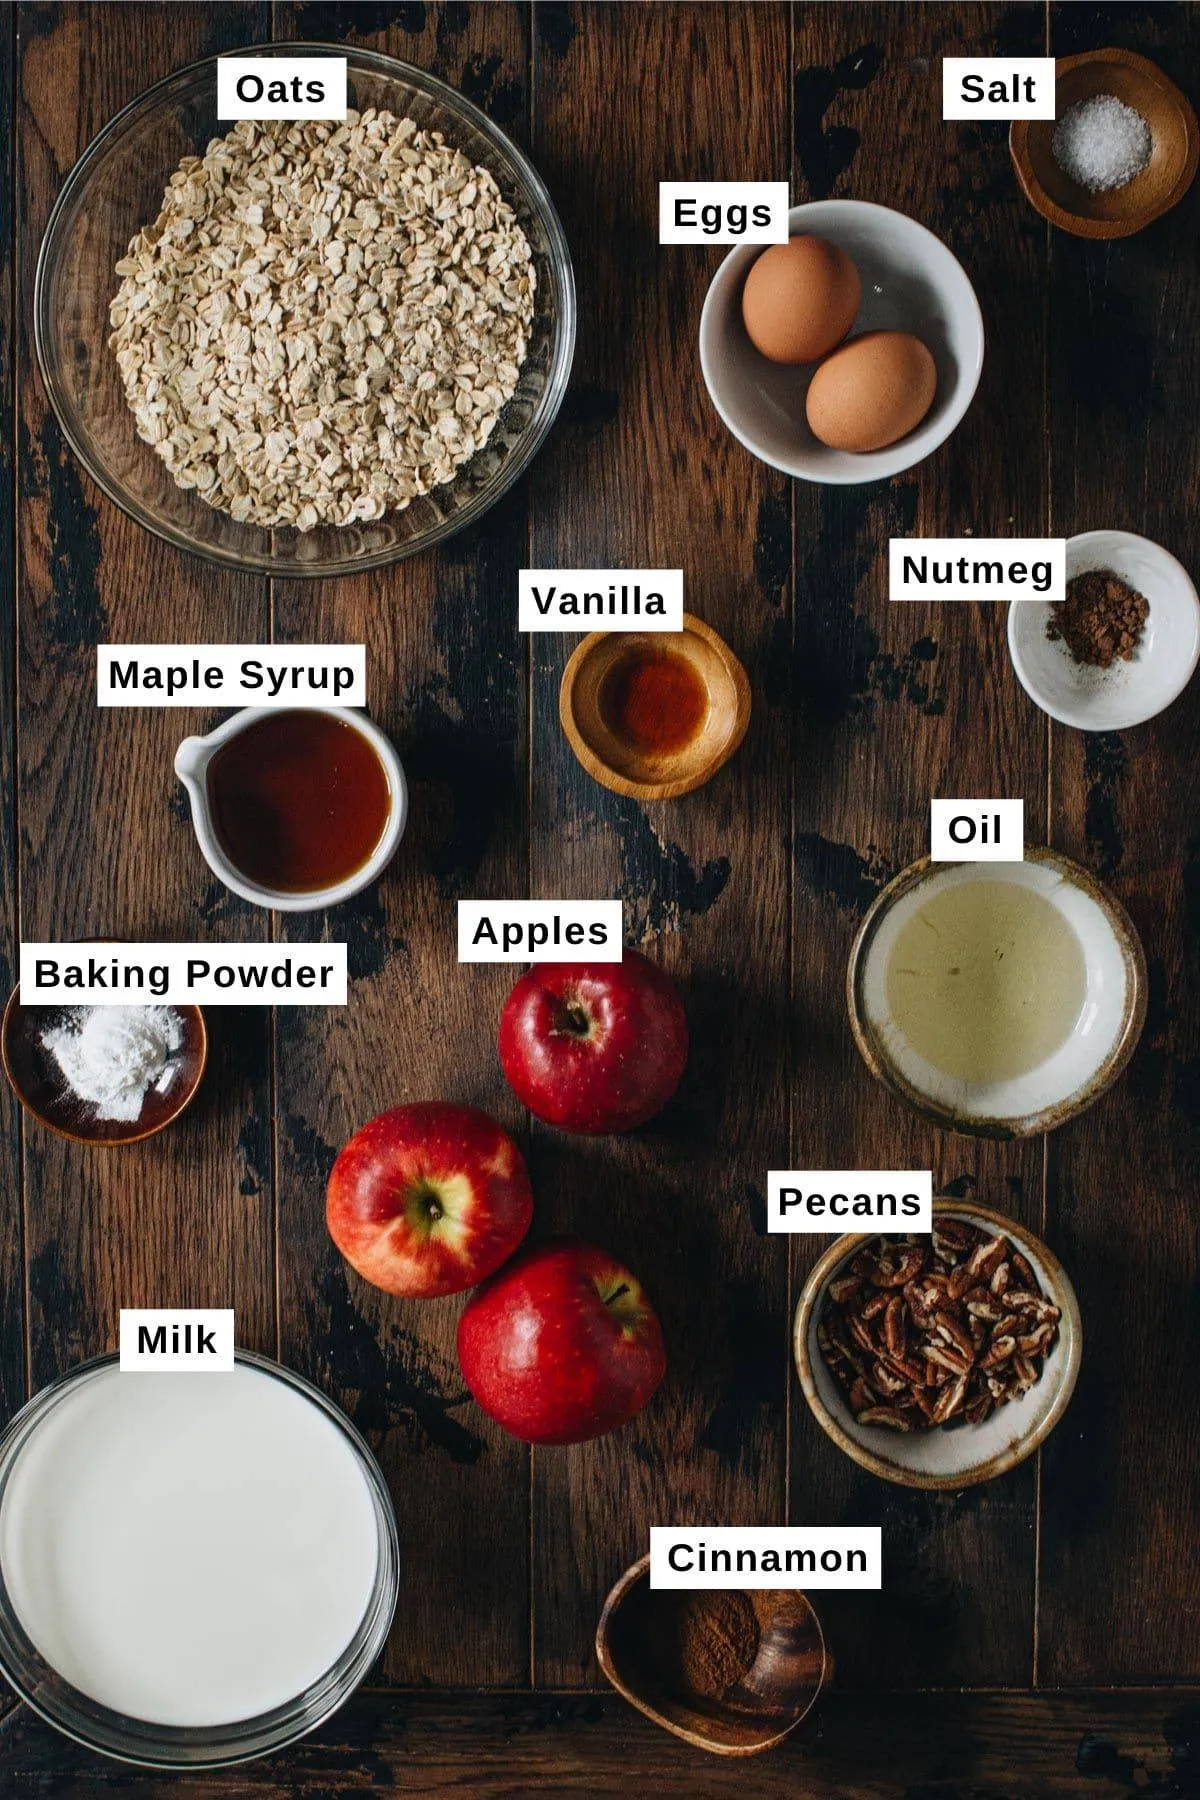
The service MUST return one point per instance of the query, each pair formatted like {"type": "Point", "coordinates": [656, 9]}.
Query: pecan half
{"type": "Point", "coordinates": [893, 1327]}
{"type": "Point", "coordinates": [949, 1401]}
{"type": "Point", "coordinates": [885, 1415]}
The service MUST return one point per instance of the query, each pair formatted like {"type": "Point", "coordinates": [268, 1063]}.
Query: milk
{"type": "Point", "coordinates": [191, 1550]}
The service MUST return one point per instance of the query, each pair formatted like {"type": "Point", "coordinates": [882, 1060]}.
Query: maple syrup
{"type": "Point", "coordinates": [299, 801]}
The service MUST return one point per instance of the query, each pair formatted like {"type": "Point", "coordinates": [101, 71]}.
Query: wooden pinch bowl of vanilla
{"type": "Point", "coordinates": [997, 999]}
{"type": "Point", "coordinates": [729, 1670]}
{"type": "Point", "coordinates": [654, 714]}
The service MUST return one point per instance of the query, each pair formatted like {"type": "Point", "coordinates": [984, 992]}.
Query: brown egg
{"type": "Point", "coordinates": [871, 392]}
{"type": "Point", "coordinates": [800, 299]}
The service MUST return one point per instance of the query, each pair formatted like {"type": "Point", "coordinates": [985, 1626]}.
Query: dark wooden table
{"type": "Point", "coordinates": [1035, 1637]}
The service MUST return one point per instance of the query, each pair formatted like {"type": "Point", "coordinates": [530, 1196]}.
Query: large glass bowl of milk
{"type": "Point", "coordinates": [195, 1569]}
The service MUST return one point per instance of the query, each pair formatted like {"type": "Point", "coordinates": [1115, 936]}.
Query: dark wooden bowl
{"type": "Point", "coordinates": [757, 1712]}
{"type": "Point", "coordinates": [38, 1084]}
{"type": "Point", "coordinates": [1165, 179]}
{"type": "Point", "coordinates": [625, 767]}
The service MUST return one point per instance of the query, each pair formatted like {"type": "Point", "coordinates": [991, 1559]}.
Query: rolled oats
{"type": "Point", "coordinates": [325, 320]}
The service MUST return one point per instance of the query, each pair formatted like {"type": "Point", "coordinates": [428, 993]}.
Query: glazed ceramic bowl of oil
{"type": "Point", "coordinates": [295, 809]}
{"type": "Point", "coordinates": [732, 1671]}
{"type": "Point", "coordinates": [653, 715]}
{"type": "Point", "coordinates": [116, 189]}
{"type": "Point", "coordinates": [195, 1569]}
{"type": "Point", "coordinates": [997, 999]}
{"type": "Point", "coordinates": [1148, 152]}
{"type": "Point", "coordinates": [103, 1075]}
{"type": "Point", "coordinates": [850, 1390]}
{"type": "Point", "coordinates": [910, 282]}
{"type": "Point", "coordinates": [1129, 691]}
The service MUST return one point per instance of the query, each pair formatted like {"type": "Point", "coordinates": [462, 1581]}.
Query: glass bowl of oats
{"type": "Point", "coordinates": [305, 348]}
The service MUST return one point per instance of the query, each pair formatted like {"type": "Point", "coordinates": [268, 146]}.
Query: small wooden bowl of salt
{"type": "Point", "coordinates": [729, 1670]}
{"type": "Point", "coordinates": [1122, 151]}
{"type": "Point", "coordinates": [103, 1075]}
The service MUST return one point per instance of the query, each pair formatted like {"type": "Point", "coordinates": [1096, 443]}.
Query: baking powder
{"type": "Point", "coordinates": [112, 1056]}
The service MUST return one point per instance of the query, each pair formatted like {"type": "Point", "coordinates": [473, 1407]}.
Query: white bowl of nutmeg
{"type": "Point", "coordinates": [1123, 645]}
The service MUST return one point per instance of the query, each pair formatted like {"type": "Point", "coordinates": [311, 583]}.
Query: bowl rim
{"type": "Point", "coordinates": [615, 1599]}
{"type": "Point", "coordinates": [1044, 1118]}
{"type": "Point", "coordinates": [1080, 224]}
{"type": "Point", "coordinates": [192, 757]}
{"type": "Point", "coordinates": [967, 386]}
{"type": "Point", "coordinates": [88, 1139]}
{"type": "Point", "coordinates": [563, 341]}
{"type": "Point", "coordinates": [1071, 1331]}
{"type": "Point", "coordinates": [671, 788]}
{"type": "Point", "coordinates": [1076, 717]}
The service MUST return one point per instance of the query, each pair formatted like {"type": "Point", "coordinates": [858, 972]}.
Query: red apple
{"type": "Point", "coordinates": [428, 1199]}
{"type": "Point", "coordinates": [594, 1046]}
{"type": "Point", "coordinates": [562, 1345]}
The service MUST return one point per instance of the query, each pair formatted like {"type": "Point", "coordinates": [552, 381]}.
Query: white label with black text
{"type": "Point", "coordinates": [998, 87]}
{"type": "Point", "coordinates": [281, 87]}
{"type": "Point", "coordinates": [766, 1556]}
{"type": "Point", "coordinates": [881, 1201]}
{"type": "Point", "coordinates": [977, 831]}
{"type": "Point", "coordinates": [977, 568]}
{"type": "Point", "coordinates": [600, 599]}
{"type": "Point", "coordinates": [540, 930]}
{"type": "Point", "coordinates": [183, 974]}
{"type": "Point", "coordinates": [723, 212]}
{"type": "Point", "coordinates": [231, 675]}
{"type": "Point", "coordinates": [171, 1339]}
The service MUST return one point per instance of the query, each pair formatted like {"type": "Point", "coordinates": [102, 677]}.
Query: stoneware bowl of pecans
{"type": "Point", "coordinates": [939, 1361]}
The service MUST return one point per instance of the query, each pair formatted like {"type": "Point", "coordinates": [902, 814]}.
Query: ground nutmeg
{"type": "Point", "coordinates": [1101, 619]}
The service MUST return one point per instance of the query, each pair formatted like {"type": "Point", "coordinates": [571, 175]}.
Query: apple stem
{"type": "Point", "coordinates": [430, 1205]}
{"type": "Point", "coordinates": [573, 1021]}
{"type": "Point", "coordinates": [618, 1294]}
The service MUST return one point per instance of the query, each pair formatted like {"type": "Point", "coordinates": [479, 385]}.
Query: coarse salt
{"type": "Point", "coordinates": [113, 1056]}
{"type": "Point", "coordinates": [1101, 143]}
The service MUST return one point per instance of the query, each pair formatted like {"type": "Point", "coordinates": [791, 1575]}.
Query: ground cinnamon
{"type": "Point", "coordinates": [706, 1641]}
{"type": "Point", "coordinates": [1101, 619]}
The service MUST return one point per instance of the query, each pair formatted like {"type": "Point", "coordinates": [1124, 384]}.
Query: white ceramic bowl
{"type": "Point", "coordinates": [1129, 693]}
{"type": "Point", "coordinates": [970, 1453]}
{"type": "Point", "coordinates": [1077, 1073]}
{"type": "Point", "coordinates": [191, 764]}
{"type": "Point", "coordinates": [910, 282]}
